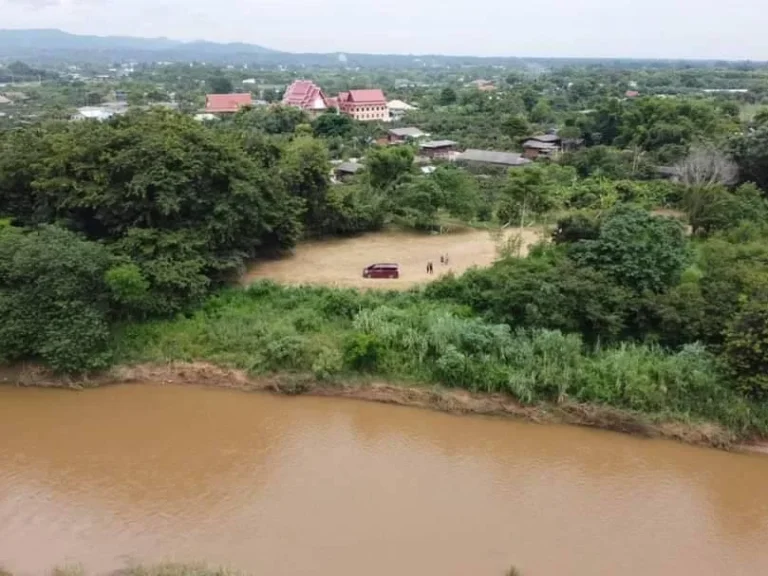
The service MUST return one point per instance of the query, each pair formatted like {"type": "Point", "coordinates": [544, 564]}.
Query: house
{"type": "Point", "coordinates": [398, 109]}
{"type": "Point", "coordinates": [401, 135]}
{"type": "Point", "coordinates": [205, 117]}
{"type": "Point", "coordinates": [93, 113]}
{"type": "Point", "coordinates": [4, 100]}
{"type": "Point", "coordinates": [346, 170]}
{"type": "Point", "coordinates": [364, 105]}
{"type": "Point", "coordinates": [306, 95]}
{"type": "Point", "coordinates": [541, 145]}
{"type": "Point", "coordinates": [631, 94]}
{"type": "Point", "coordinates": [226, 103]}
{"type": "Point", "coordinates": [445, 149]}
{"type": "Point", "coordinates": [493, 158]}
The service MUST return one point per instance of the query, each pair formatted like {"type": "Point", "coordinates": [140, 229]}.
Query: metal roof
{"type": "Point", "coordinates": [410, 132]}
{"type": "Point", "coordinates": [539, 145]}
{"type": "Point", "coordinates": [545, 138]}
{"type": "Point", "coordinates": [493, 157]}
{"type": "Point", "coordinates": [349, 167]}
{"type": "Point", "coordinates": [437, 144]}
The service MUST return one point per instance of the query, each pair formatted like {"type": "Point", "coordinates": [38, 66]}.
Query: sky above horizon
{"type": "Point", "coordinates": [566, 28]}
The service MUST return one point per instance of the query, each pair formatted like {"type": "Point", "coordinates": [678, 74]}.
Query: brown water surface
{"type": "Point", "coordinates": [329, 487]}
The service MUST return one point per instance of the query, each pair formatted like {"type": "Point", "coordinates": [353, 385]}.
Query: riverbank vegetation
{"type": "Point", "coordinates": [121, 241]}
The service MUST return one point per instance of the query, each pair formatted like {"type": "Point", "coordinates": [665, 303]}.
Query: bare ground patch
{"type": "Point", "coordinates": [340, 262]}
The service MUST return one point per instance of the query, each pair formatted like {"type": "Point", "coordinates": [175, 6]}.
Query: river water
{"type": "Point", "coordinates": [293, 486]}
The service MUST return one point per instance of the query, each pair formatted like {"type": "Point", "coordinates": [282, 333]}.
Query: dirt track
{"type": "Point", "coordinates": [340, 262]}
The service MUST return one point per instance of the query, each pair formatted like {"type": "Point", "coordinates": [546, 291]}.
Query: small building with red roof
{"type": "Point", "coordinates": [364, 105]}
{"type": "Point", "coordinates": [306, 95]}
{"type": "Point", "coordinates": [226, 103]}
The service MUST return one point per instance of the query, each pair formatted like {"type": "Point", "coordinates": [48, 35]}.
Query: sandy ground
{"type": "Point", "coordinates": [340, 262]}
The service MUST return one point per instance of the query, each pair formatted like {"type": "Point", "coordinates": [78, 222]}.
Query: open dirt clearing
{"type": "Point", "coordinates": [340, 262]}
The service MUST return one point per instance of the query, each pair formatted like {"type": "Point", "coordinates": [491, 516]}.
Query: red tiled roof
{"type": "Point", "coordinates": [304, 94]}
{"type": "Point", "coordinates": [631, 93]}
{"type": "Point", "coordinates": [374, 96]}
{"type": "Point", "coordinates": [227, 102]}
{"type": "Point", "coordinates": [333, 102]}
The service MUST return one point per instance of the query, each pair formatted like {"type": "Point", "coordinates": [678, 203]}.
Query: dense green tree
{"type": "Point", "coordinates": [638, 250]}
{"type": "Point", "coordinates": [332, 123]}
{"type": "Point", "coordinates": [305, 170]}
{"type": "Point", "coordinates": [746, 349]}
{"type": "Point", "coordinates": [220, 85]}
{"type": "Point", "coordinates": [750, 151]}
{"type": "Point", "coordinates": [386, 166]}
{"type": "Point", "coordinates": [148, 181]}
{"type": "Point", "coordinates": [53, 299]}
{"type": "Point", "coordinates": [448, 96]}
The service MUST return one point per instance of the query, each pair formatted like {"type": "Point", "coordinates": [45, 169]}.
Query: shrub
{"type": "Point", "coordinates": [745, 350]}
{"type": "Point", "coordinates": [327, 364]}
{"type": "Point", "coordinates": [362, 351]}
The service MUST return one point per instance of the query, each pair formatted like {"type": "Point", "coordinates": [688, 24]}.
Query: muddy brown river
{"type": "Point", "coordinates": [297, 486]}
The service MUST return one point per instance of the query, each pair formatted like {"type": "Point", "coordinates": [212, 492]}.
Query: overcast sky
{"type": "Point", "coordinates": [733, 29]}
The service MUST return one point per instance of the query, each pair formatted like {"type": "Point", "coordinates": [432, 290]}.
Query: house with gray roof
{"type": "Point", "coordinates": [400, 135]}
{"type": "Point", "coordinates": [492, 158]}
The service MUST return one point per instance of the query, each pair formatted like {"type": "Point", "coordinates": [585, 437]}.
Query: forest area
{"type": "Point", "coordinates": [122, 242]}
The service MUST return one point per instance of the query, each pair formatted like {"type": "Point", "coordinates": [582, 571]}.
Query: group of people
{"type": "Point", "coordinates": [443, 261]}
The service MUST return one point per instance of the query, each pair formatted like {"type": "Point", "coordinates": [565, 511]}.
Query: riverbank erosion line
{"type": "Point", "coordinates": [427, 397]}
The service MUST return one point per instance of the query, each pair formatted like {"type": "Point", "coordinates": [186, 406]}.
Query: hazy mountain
{"type": "Point", "coordinates": [58, 45]}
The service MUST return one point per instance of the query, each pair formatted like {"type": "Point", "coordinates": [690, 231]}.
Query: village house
{"type": "Point", "coordinates": [491, 158]}
{"type": "Point", "coordinates": [398, 109]}
{"type": "Point", "coordinates": [308, 96]}
{"type": "Point", "coordinates": [442, 149]}
{"type": "Point", "coordinates": [346, 170]}
{"type": "Point", "coordinates": [364, 105]}
{"type": "Point", "coordinates": [402, 135]}
{"type": "Point", "coordinates": [226, 103]}
{"type": "Point", "coordinates": [541, 145]}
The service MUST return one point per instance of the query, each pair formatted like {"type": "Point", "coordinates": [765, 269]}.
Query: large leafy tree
{"type": "Point", "coordinates": [54, 300]}
{"type": "Point", "coordinates": [636, 249]}
{"type": "Point", "coordinates": [157, 176]}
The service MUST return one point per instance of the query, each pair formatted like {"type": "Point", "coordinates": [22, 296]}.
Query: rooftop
{"type": "Point", "coordinates": [227, 102]}
{"type": "Point", "coordinates": [349, 167]}
{"type": "Point", "coordinates": [437, 144]}
{"type": "Point", "coordinates": [538, 145]}
{"type": "Point", "coordinates": [305, 94]}
{"type": "Point", "coordinates": [545, 138]}
{"type": "Point", "coordinates": [408, 132]}
{"type": "Point", "coordinates": [399, 105]}
{"type": "Point", "coordinates": [373, 96]}
{"type": "Point", "coordinates": [493, 157]}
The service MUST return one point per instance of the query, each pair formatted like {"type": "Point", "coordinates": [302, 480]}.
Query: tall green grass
{"type": "Point", "coordinates": [337, 334]}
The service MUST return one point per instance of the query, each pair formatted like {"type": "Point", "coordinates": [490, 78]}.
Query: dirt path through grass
{"type": "Point", "coordinates": [340, 262]}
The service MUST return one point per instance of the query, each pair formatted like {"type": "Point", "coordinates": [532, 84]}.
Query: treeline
{"type": "Point", "coordinates": [143, 216]}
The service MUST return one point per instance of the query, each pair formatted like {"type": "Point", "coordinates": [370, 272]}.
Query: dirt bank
{"type": "Point", "coordinates": [430, 397]}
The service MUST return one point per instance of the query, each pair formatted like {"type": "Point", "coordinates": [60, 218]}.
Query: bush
{"type": "Point", "coordinates": [746, 350]}
{"type": "Point", "coordinates": [362, 351]}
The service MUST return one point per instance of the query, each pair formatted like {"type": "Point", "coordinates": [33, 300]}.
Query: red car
{"type": "Point", "coordinates": [381, 271]}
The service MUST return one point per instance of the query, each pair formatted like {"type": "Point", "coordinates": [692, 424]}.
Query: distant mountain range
{"type": "Point", "coordinates": [56, 44]}
{"type": "Point", "coordinates": [45, 46]}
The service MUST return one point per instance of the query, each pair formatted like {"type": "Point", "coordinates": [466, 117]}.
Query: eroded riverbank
{"type": "Point", "coordinates": [434, 398]}
{"type": "Point", "coordinates": [271, 484]}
